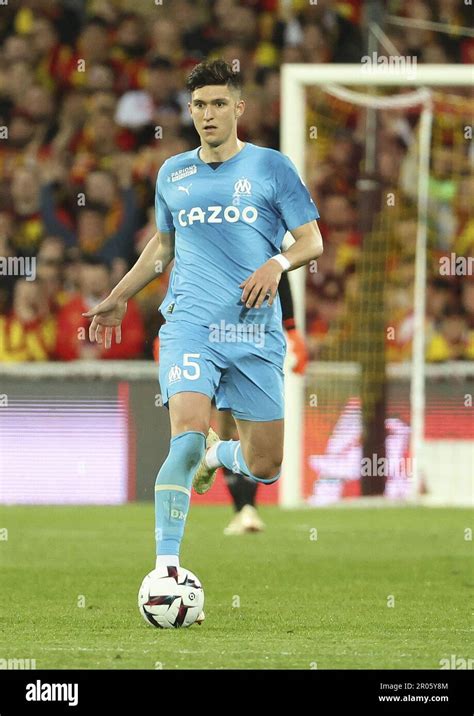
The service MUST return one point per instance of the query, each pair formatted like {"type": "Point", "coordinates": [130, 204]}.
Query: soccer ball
{"type": "Point", "coordinates": [171, 598]}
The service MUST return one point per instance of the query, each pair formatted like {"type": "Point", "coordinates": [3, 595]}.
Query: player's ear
{"type": "Point", "coordinates": [239, 108]}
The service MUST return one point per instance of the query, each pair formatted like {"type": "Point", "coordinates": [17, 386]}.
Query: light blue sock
{"type": "Point", "coordinates": [173, 490]}
{"type": "Point", "coordinates": [229, 454]}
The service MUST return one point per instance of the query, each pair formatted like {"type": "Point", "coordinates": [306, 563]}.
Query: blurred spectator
{"type": "Point", "coordinates": [93, 42]}
{"type": "Point", "coordinates": [73, 337]}
{"type": "Point", "coordinates": [166, 41]}
{"type": "Point", "coordinates": [464, 217]}
{"type": "Point", "coordinates": [21, 130]}
{"type": "Point", "coordinates": [92, 95]}
{"type": "Point", "coordinates": [52, 250]}
{"type": "Point", "coordinates": [28, 331]}
{"type": "Point", "coordinates": [38, 104]}
{"type": "Point", "coordinates": [17, 79]}
{"type": "Point", "coordinates": [315, 46]}
{"type": "Point", "coordinates": [50, 272]}
{"type": "Point", "coordinates": [453, 340]}
{"type": "Point", "coordinates": [29, 227]}
{"type": "Point", "coordinates": [325, 306]}
{"type": "Point", "coordinates": [468, 302]}
{"type": "Point", "coordinates": [16, 49]}
{"type": "Point", "coordinates": [416, 38]}
{"type": "Point", "coordinates": [7, 282]}
{"type": "Point", "coordinates": [72, 270]}
{"type": "Point", "coordinates": [339, 228]}
{"type": "Point", "coordinates": [128, 51]}
{"type": "Point", "coordinates": [49, 275]}
{"type": "Point", "coordinates": [442, 194]}
{"type": "Point", "coordinates": [101, 138]}
{"type": "Point", "coordinates": [440, 297]}
{"type": "Point", "coordinates": [138, 108]}
{"type": "Point", "coordinates": [338, 39]}
{"type": "Point", "coordinates": [54, 61]}
{"type": "Point", "coordinates": [106, 217]}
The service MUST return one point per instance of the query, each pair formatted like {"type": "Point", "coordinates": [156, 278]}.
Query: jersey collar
{"type": "Point", "coordinates": [224, 163]}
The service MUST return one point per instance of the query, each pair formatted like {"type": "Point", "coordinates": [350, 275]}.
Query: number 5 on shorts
{"type": "Point", "coordinates": [191, 364]}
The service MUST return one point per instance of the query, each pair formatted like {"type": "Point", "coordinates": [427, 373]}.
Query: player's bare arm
{"type": "Point", "coordinates": [108, 314]}
{"type": "Point", "coordinates": [264, 281]}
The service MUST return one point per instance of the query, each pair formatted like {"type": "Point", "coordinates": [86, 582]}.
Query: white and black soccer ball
{"type": "Point", "coordinates": [171, 598]}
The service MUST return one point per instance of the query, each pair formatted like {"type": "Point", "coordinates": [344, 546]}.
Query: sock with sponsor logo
{"type": "Point", "coordinates": [228, 453]}
{"type": "Point", "coordinates": [173, 494]}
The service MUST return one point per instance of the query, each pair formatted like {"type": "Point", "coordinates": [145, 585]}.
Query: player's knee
{"type": "Point", "coordinates": [264, 468]}
{"type": "Point", "coordinates": [186, 425]}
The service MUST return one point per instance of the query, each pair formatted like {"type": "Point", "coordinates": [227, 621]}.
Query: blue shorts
{"type": "Point", "coordinates": [244, 373]}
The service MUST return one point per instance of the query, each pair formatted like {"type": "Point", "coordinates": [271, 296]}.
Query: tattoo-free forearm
{"type": "Point", "coordinates": [308, 245]}
{"type": "Point", "coordinates": [154, 259]}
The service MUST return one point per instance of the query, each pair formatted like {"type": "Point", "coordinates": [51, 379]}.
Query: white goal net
{"type": "Point", "coordinates": [386, 408]}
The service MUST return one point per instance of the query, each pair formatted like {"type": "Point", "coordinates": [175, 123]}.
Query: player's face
{"type": "Point", "coordinates": [215, 110]}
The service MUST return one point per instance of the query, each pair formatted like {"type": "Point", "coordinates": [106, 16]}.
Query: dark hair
{"type": "Point", "coordinates": [160, 63]}
{"type": "Point", "coordinates": [454, 312]}
{"type": "Point", "coordinates": [213, 72]}
{"type": "Point", "coordinates": [440, 283]}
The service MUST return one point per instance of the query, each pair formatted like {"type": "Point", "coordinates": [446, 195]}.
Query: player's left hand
{"type": "Point", "coordinates": [262, 284]}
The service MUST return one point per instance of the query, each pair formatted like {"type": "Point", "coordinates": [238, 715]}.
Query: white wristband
{"type": "Point", "coordinates": [283, 261]}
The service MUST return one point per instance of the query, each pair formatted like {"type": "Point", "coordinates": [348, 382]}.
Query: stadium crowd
{"type": "Point", "coordinates": [92, 103]}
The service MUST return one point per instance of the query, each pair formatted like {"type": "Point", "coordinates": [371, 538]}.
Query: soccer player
{"type": "Point", "coordinates": [222, 211]}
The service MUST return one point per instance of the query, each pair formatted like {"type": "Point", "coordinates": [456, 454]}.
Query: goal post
{"type": "Point", "coordinates": [295, 78]}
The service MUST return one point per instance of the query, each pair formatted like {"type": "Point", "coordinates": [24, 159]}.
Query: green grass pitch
{"type": "Point", "coordinates": [290, 598]}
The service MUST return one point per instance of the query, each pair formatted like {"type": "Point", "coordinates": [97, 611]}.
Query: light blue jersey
{"type": "Point", "coordinates": [228, 222]}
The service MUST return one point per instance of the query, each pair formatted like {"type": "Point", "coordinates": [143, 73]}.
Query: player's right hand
{"type": "Point", "coordinates": [107, 315]}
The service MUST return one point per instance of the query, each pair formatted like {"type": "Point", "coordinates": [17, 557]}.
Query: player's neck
{"type": "Point", "coordinates": [222, 153]}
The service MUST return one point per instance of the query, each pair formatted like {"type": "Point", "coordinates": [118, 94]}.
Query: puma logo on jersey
{"type": "Point", "coordinates": [217, 215]}
{"type": "Point", "coordinates": [185, 188]}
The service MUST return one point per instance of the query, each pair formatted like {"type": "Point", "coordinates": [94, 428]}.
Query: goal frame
{"type": "Point", "coordinates": [294, 80]}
